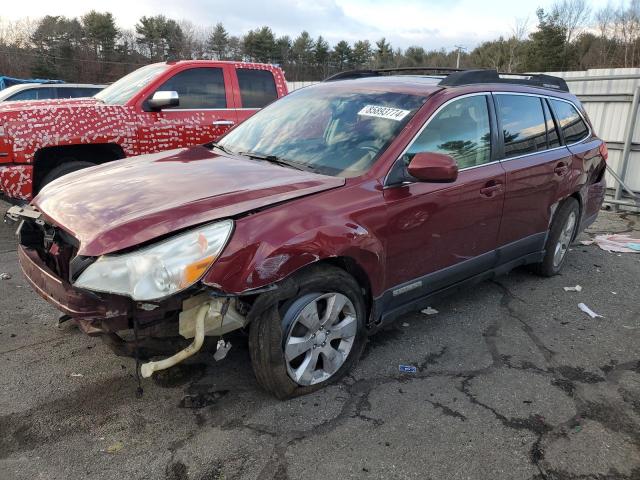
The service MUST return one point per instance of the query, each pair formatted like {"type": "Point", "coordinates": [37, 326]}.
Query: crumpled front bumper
{"type": "Point", "coordinates": [95, 314]}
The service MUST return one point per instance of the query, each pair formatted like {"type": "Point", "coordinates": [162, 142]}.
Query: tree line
{"type": "Point", "coordinates": [93, 48]}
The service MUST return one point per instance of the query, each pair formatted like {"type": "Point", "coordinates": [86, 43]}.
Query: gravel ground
{"type": "Point", "coordinates": [513, 382]}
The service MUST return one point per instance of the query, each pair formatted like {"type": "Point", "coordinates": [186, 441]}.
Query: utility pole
{"type": "Point", "coordinates": [459, 48]}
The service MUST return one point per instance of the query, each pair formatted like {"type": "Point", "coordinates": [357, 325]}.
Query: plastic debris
{"type": "Point", "coordinates": [5, 276]}
{"type": "Point", "coordinates": [588, 311]}
{"type": "Point", "coordinates": [577, 288]}
{"type": "Point", "coordinates": [407, 368]}
{"type": "Point", "coordinates": [429, 311]}
{"type": "Point", "coordinates": [221, 350]}
{"type": "Point", "coordinates": [76, 375]}
{"type": "Point", "coordinates": [618, 243]}
{"type": "Point", "coordinates": [115, 447]}
{"type": "Point", "coordinates": [405, 324]}
{"type": "Point", "coordinates": [587, 242]}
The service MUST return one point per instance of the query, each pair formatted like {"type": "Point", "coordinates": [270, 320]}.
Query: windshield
{"type": "Point", "coordinates": [326, 129]}
{"type": "Point", "coordinates": [124, 89]}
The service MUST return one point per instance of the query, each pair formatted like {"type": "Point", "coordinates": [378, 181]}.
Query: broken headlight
{"type": "Point", "coordinates": [161, 269]}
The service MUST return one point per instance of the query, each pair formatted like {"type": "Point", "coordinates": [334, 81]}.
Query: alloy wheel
{"type": "Point", "coordinates": [320, 338]}
{"type": "Point", "coordinates": [564, 240]}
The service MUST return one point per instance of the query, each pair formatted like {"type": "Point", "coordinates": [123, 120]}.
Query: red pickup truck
{"type": "Point", "coordinates": [157, 107]}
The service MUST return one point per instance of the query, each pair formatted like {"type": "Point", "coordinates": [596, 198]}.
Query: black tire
{"type": "Point", "coordinates": [270, 327]}
{"type": "Point", "coordinates": [549, 265]}
{"type": "Point", "coordinates": [64, 169]}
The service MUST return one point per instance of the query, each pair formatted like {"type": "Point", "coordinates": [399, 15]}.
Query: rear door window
{"type": "Point", "coordinates": [461, 129]}
{"type": "Point", "coordinates": [198, 88]}
{"type": "Point", "coordinates": [523, 124]}
{"type": "Point", "coordinates": [257, 87]}
{"type": "Point", "coordinates": [571, 123]}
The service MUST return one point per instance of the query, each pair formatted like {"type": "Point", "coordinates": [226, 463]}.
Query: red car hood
{"type": "Point", "coordinates": [125, 203]}
{"type": "Point", "coordinates": [21, 105]}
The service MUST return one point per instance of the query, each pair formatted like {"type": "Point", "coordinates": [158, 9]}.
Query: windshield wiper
{"type": "Point", "coordinates": [220, 147]}
{"type": "Point", "coordinates": [273, 159]}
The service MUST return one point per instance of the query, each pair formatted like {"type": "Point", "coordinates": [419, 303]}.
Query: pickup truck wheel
{"type": "Point", "coordinates": [310, 340]}
{"type": "Point", "coordinates": [64, 169]}
{"type": "Point", "coordinates": [561, 234]}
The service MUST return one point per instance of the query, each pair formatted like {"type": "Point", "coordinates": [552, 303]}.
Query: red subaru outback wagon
{"type": "Point", "coordinates": [319, 219]}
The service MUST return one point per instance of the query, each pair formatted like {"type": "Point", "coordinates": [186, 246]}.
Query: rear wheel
{"type": "Point", "coordinates": [63, 169]}
{"type": "Point", "coordinates": [561, 234]}
{"type": "Point", "coordinates": [312, 339]}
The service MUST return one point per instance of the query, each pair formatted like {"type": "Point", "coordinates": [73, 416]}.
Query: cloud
{"type": "Point", "coordinates": [431, 24]}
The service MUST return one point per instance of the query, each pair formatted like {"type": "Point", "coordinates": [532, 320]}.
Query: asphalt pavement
{"type": "Point", "coordinates": [513, 381]}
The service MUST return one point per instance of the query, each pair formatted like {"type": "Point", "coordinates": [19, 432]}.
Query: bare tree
{"type": "Point", "coordinates": [572, 15]}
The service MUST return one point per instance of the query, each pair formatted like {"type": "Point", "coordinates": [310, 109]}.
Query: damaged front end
{"type": "Point", "coordinates": [137, 324]}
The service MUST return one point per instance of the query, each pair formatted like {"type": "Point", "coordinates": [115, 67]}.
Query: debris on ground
{"type": "Point", "coordinates": [407, 368]}
{"type": "Point", "coordinates": [577, 288]}
{"type": "Point", "coordinates": [221, 350]}
{"type": "Point", "coordinates": [405, 324]}
{"type": "Point", "coordinates": [429, 311]}
{"type": "Point", "coordinates": [201, 400]}
{"type": "Point", "coordinates": [5, 276]}
{"type": "Point", "coordinates": [618, 243]}
{"type": "Point", "coordinates": [115, 447]}
{"type": "Point", "coordinates": [587, 242]}
{"type": "Point", "coordinates": [76, 375]}
{"type": "Point", "coordinates": [588, 311]}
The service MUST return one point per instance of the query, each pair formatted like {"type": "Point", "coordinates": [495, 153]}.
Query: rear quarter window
{"type": "Point", "coordinates": [257, 87]}
{"type": "Point", "coordinates": [570, 122]}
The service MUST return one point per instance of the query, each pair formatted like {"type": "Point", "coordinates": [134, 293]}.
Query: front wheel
{"type": "Point", "coordinates": [312, 339]}
{"type": "Point", "coordinates": [561, 234]}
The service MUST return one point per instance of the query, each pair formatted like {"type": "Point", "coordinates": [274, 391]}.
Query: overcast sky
{"type": "Point", "coordinates": [427, 23]}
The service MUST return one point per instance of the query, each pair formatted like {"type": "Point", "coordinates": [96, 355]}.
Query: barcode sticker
{"type": "Point", "coordinates": [379, 111]}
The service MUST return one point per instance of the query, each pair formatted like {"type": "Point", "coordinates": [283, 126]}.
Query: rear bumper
{"type": "Point", "coordinates": [16, 182]}
{"type": "Point", "coordinates": [95, 314]}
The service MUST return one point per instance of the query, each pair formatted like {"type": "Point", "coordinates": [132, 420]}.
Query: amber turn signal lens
{"type": "Point", "coordinates": [194, 271]}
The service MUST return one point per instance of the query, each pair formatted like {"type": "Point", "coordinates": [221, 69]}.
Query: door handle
{"type": "Point", "coordinates": [223, 123]}
{"type": "Point", "coordinates": [561, 169]}
{"type": "Point", "coordinates": [490, 188]}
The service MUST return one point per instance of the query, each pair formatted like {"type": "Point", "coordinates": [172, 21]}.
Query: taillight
{"type": "Point", "coordinates": [604, 151]}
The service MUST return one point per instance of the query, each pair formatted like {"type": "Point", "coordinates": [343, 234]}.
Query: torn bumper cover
{"type": "Point", "coordinates": [94, 314]}
{"type": "Point", "coordinates": [193, 316]}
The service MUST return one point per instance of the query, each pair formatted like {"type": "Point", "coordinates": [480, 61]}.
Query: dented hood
{"type": "Point", "coordinates": [128, 202]}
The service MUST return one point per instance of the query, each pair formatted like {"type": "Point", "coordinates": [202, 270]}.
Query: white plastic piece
{"type": "Point", "coordinates": [221, 350]}
{"type": "Point", "coordinates": [588, 311]}
{"type": "Point", "coordinates": [429, 311]}
{"type": "Point", "coordinates": [577, 288]}
{"type": "Point", "coordinates": [147, 369]}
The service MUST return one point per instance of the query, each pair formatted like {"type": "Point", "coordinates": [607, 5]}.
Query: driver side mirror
{"type": "Point", "coordinates": [433, 167]}
{"type": "Point", "coordinates": [164, 99]}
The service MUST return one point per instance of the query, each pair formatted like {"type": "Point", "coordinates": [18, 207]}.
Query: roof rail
{"type": "Point", "coordinates": [350, 74]}
{"type": "Point", "coordinates": [456, 77]}
{"type": "Point", "coordinates": [469, 77]}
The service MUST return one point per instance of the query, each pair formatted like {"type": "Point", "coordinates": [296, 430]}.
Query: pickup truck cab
{"type": "Point", "coordinates": [158, 107]}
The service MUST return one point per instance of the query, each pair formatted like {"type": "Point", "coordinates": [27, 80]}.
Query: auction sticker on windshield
{"type": "Point", "coordinates": [390, 113]}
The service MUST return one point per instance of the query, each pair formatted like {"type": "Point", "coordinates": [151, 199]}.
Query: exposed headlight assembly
{"type": "Point", "coordinates": [161, 269]}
